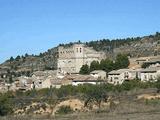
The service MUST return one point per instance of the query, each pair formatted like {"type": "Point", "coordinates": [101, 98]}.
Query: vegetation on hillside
{"type": "Point", "coordinates": [107, 65]}
{"type": "Point", "coordinates": [109, 45]}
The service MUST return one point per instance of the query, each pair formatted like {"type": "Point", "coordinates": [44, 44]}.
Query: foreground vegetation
{"type": "Point", "coordinates": [98, 93]}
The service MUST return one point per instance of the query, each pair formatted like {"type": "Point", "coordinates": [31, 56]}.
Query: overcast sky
{"type": "Point", "coordinates": [33, 26]}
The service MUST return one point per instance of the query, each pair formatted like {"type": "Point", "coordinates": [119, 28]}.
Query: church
{"type": "Point", "coordinates": [71, 58]}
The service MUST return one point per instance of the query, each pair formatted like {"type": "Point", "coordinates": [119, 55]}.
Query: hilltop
{"type": "Point", "coordinates": [133, 47]}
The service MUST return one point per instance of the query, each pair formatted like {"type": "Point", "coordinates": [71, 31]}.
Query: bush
{"type": "Point", "coordinates": [64, 110]}
{"type": "Point", "coordinates": [5, 105]}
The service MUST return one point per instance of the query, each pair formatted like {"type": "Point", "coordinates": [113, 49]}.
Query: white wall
{"type": "Point", "coordinates": [81, 83]}
{"type": "Point", "coordinates": [148, 76]}
{"type": "Point", "coordinates": [116, 79]}
{"type": "Point", "coordinates": [119, 79]}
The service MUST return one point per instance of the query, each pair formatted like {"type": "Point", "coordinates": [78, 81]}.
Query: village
{"type": "Point", "coordinates": [70, 61]}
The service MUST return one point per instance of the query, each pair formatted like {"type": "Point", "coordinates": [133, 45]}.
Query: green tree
{"type": "Point", "coordinates": [107, 65]}
{"type": "Point", "coordinates": [94, 66]}
{"type": "Point", "coordinates": [95, 93]}
{"type": "Point", "coordinates": [26, 55]}
{"type": "Point", "coordinates": [84, 69]}
{"type": "Point", "coordinates": [121, 61]}
{"type": "Point", "coordinates": [145, 65]}
{"type": "Point", "coordinates": [5, 105]}
{"type": "Point", "coordinates": [18, 58]}
{"type": "Point", "coordinates": [11, 59]}
{"type": "Point", "coordinates": [157, 84]}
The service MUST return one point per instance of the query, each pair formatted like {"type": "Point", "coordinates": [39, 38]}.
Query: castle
{"type": "Point", "coordinates": [71, 58]}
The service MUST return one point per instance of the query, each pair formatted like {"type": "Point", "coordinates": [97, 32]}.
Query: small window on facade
{"type": "Point", "coordinates": [77, 49]}
{"type": "Point", "coordinates": [80, 50]}
{"type": "Point", "coordinates": [151, 77]}
{"type": "Point", "coordinates": [145, 76]}
{"type": "Point", "coordinates": [111, 79]}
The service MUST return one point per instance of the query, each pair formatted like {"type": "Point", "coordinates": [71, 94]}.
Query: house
{"type": "Point", "coordinates": [85, 79]}
{"type": "Point", "coordinates": [119, 76]}
{"type": "Point", "coordinates": [99, 74]}
{"type": "Point", "coordinates": [40, 84]}
{"type": "Point", "coordinates": [76, 79]}
{"type": "Point", "coordinates": [56, 83]}
{"type": "Point", "coordinates": [43, 79]}
{"type": "Point", "coordinates": [150, 60]}
{"type": "Point", "coordinates": [150, 74]}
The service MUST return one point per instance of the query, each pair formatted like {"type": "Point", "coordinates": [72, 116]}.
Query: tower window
{"type": "Point", "coordinates": [80, 50]}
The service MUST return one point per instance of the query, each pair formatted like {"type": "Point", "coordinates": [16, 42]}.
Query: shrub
{"type": "Point", "coordinates": [5, 105]}
{"type": "Point", "coordinates": [64, 110]}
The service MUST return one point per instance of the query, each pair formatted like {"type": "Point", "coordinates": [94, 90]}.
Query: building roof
{"type": "Point", "coordinates": [117, 72]}
{"type": "Point", "coordinates": [150, 69]}
{"type": "Point", "coordinates": [79, 77]}
{"type": "Point", "coordinates": [88, 81]}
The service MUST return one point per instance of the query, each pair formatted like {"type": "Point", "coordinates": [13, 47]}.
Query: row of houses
{"type": "Point", "coordinates": [121, 75]}
{"type": "Point", "coordinates": [47, 79]}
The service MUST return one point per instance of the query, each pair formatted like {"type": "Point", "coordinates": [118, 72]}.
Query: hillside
{"type": "Point", "coordinates": [135, 47]}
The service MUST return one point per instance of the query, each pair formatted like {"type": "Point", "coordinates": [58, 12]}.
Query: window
{"type": "Point", "coordinates": [77, 49]}
{"type": "Point", "coordinates": [80, 50]}
{"type": "Point", "coordinates": [145, 76]}
{"type": "Point", "coordinates": [151, 77]}
{"type": "Point", "coordinates": [1, 76]}
{"type": "Point", "coordinates": [111, 79]}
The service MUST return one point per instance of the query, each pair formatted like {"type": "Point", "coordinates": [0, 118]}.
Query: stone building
{"type": "Point", "coordinates": [150, 74]}
{"type": "Point", "coordinates": [119, 76]}
{"type": "Point", "coordinates": [71, 59]}
{"type": "Point", "coordinates": [99, 74]}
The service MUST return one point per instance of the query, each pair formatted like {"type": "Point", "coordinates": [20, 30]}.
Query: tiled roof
{"type": "Point", "coordinates": [151, 69]}
{"type": "Point", "coordinates": [120, 71]}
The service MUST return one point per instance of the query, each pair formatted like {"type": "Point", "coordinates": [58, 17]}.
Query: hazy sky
{"type": "Point", "coordinates": [33, 26]}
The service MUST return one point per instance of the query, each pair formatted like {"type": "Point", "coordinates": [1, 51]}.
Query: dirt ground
{"type": "Point", "coordinates": [104, 116]}
{"type": "Point", "coordinates": [93, 116]}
